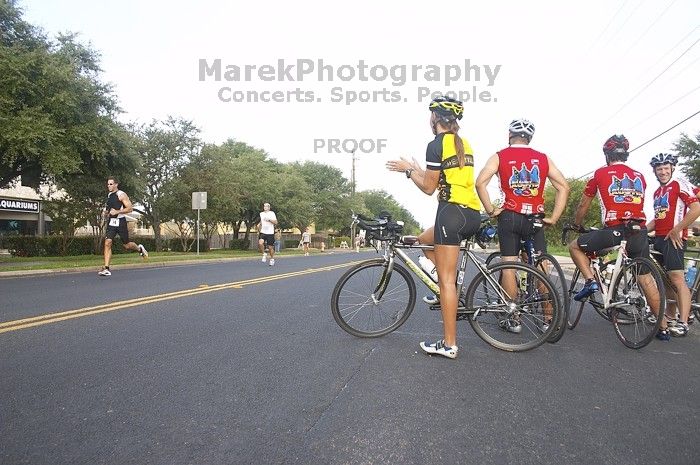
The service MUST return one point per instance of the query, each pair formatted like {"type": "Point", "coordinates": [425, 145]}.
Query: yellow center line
{"type": "Point", "coordinates": [109, 307]}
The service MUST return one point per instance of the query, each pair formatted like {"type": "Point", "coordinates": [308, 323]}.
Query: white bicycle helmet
{"type": "Point", "coordinates": [662, 159]}
{"type": "Point", "coordinates": [522, 127]}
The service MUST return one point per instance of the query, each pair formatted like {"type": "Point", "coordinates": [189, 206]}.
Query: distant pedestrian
{"type": "Point", "coordinates": [266, 228]}
{"type": "Point", "coordinates": [306, 241]}
{"type": "Point", "coordinates": [117, 206]}
{"type": "Point", "coordinates": [278, 240]}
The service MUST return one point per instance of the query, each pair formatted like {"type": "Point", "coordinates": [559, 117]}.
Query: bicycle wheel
{"type": "Point", "coordinates": [695, 304]}
{"type": "Point", "coordinates": [551, 268]}
{"type": "Point", "coordinates": [575, 308]}
{"type": "Point", "coordinates": [357, 306]}
{"type": "Point", "coordinates": [512, 323]}
{"type": "Point", "coordinates": [493, 256]}
{"type": "Point", "coordinates": [636, 290]}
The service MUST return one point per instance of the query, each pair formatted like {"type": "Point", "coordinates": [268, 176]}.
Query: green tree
{"type": "Point", "coordinates": [293, 198]}
{"type": "Point", "coordinates": [330, 194]}
{"type": "Point", "coordinates": [164, 148]}
{"type": "Point", "coordinates": [66, 215]}
{"type": "Point", "coordinates": [378, 201]}
{"type": "Point", "coordinates": [54, 111]}
{"type": "Point", "coordinates": [553, 234]}
{"type": "Point", "coordinates": [689, 152]}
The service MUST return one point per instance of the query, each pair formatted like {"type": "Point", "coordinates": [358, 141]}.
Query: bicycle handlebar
{"type": "Point", "coordinates": [572, 227]}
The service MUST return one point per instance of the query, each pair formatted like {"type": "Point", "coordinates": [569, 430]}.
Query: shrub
{"type": "Point", "coordinates": [239, 244]}
{"type": "Point", "coordinates": [339, 239]}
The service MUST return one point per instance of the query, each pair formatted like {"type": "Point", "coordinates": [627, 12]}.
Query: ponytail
{"type": "Point", "coordinates": [453, 127]}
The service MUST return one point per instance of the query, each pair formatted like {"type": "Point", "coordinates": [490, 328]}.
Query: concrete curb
{"type": "Point", "coordinates": [151, 264]}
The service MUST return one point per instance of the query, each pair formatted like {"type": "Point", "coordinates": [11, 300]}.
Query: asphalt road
{"type": "Point", "coordinates": [239, 362]}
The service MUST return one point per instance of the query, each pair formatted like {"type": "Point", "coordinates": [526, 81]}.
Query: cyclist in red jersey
{"type": "Point", "coordinates": [620, 190]}
{"type": "Point", "coordinates": [522, 173]}
{"type": "Point", "coordinates": [676, 207]}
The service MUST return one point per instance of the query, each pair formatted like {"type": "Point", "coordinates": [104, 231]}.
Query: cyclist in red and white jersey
{"type": "Point", "coordinates": [522, 172]}
{"type": "Point", "coordinates": [676, 207]}
{"type": "Point", "coordinates": [620, 190]}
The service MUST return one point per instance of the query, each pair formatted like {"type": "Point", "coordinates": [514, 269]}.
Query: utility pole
{"type": "Point", "coordinates": [353, 173]}
{"type": "Point", "coordinates": [352, 193]}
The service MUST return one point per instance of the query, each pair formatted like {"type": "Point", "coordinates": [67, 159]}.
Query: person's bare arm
{"type": "Point", "coordinates": [485, 175]}
{"type": "Point", "coordinates": [675, 234]}
{"type": "Point", "coordinates": [582, 209]}
{"type": "Point", "coordinates": [425, 180]}
{"type": "Point", "coordinates": [561, 185]}
{"type": "Point", "coordinates": [127, 206]}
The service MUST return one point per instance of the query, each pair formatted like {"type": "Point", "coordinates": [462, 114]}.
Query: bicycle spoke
{"type": "Point", "coordinates": [360, 311]}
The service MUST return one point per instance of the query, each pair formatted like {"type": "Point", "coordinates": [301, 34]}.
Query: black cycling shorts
{"type": "Point", "coordinates": [455, 223]}
{"type": "Point", "coordinates": [122, 230]}
{"type": "Point", "coordinates": [673, 258]}
{"type": "Point", "coordinates": [595, 241]}
{"type": "Point", "coordinates": [514, 227]}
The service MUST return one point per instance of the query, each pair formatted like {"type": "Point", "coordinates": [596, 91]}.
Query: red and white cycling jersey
{"type": "Point", "coordinates": [671, 203]}
{"type": "Point", "coordinates": [620, 190]}
{"type": "Point", "coordinates": [522, 173]}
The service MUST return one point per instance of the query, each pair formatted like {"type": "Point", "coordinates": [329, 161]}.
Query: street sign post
{"type": "Point", "coordinates": [199, 202]}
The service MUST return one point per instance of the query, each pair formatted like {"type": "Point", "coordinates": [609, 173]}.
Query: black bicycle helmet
{"type": "Point", "coordinates": [616, 145]}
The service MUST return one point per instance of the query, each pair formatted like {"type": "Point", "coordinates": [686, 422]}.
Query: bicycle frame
{"type": "Point", "coordinates": [604, 287]}
{"type": "Point", "coordinates": [393, 250]}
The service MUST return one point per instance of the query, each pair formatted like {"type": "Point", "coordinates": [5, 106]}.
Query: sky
{"type": "Point", "coordinates": [579, 71]}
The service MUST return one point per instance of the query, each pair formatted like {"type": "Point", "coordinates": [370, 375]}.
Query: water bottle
{"type": "Point", "coordinates": [607, 275]}
{"type": "Point", "coordinates": [429, 267]}
{"type": "Point", "coordinates": [690, 275]}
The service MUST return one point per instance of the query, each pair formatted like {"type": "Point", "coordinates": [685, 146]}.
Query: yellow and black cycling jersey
{"type": "Point", "coordinates": [456, 185]}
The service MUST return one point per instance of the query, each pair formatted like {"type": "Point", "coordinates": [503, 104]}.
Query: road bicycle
{"type": "Point", "coordinates": [630, 288]}
{"type": "Point", "coordinates": [375, 297]}
{"type": "Point", "coordinates": [548, 265]}
{"type": "Point", "coordinates": [694, 269]}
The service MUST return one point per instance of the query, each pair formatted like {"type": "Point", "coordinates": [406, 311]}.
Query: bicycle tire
{"type": "Point", "coordinates": [559, 284]}
{"type": "Point", "coordinates": [695, 303]}
{"type": "Point", "coordinates": [488, 311]}
{"type": "Point", "coordinates": [492, 256]}
{"type": "Point", "coordinates": [632, 321]}
{"type": "Point", "coordinates": [355, 307]}
{"type": "Point", "coordinates": [575, 307]}
{"type": "Point", "coordinates": [556, 277]}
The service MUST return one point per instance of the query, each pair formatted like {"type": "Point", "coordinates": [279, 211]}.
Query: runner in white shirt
{"type": "Point", "coordinates": [306, 241]}
{"type": "Point", "coordinates": [266, 228]}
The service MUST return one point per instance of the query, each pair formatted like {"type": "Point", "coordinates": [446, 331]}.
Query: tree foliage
{"type": "Point", "coordinates": [54, 111]}
{"type": "Point", "coordinates": [689, 153]}
{"type": "Point", "coordinates": [164, 149]}
{"type": "Point", "coordinates": [553, 233]}
{"type": "Point", "coordinates": [378, 201]}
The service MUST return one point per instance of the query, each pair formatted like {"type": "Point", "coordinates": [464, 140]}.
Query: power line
{"type": "Point", "coordinates": [650, 26]}
{"type": "Point", "coordinates": [664, 108]}
{"type": "Point", "coordinates": [644, 88]}
{"type": "Point", "coordinates": [661, 134]}
{"type": "Point", "coordinates": [608, 25]}
{"type": "Point", "coordinates": [652, 139]}
{"type": "Point", "coordinates": [619, 29]}
{"type": "Point", "coordinates": [670, 50]}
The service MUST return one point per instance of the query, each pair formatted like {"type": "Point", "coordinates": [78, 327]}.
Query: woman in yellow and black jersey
{"type": "Point", "coordinates": [450, 170]}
